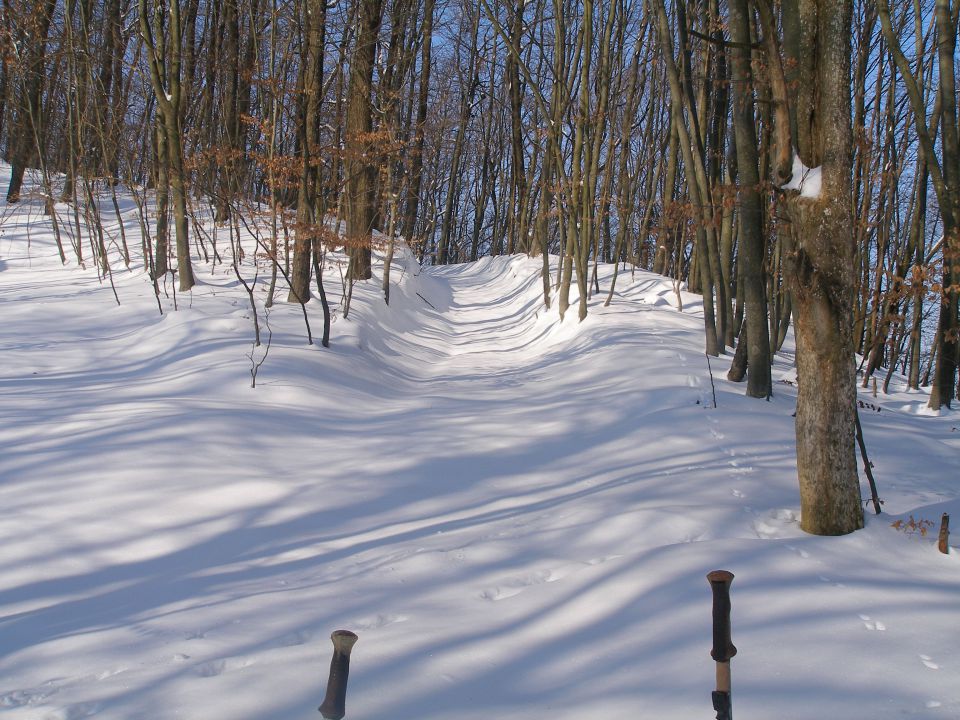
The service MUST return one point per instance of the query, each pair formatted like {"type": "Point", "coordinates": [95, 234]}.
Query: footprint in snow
{"type": "Point", "coordinates": [872, 624]}
{"type": "Point", "coordinates": [928, 662]}
{"type": "Point", "coordinates": [737, 493]}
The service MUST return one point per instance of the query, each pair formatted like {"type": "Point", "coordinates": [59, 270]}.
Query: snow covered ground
{"type": "Point", "coordinates": [515, 515]}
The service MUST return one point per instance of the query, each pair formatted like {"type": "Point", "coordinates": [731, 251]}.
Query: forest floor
{"type": "Point", "coordinates": [515, 514]}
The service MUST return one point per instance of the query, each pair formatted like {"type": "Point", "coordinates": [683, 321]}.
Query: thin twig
{"type": "Point", "coordinates": [712, 386]}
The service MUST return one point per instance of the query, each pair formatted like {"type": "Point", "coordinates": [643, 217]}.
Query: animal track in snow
{"type": "Point", "coordinates": [799, 551]}
{"type": "Point", "coordinates": [81, 710]}
{"type": "Point", "coordinates": [770, 526]}
{"type": "Point", "coordinates": [928, 662]}
{"type": "Point", "coordinates": [825, 579]}
{"type": "Point", "coordinates": [214, 668]}
{"type": "Point", "coordinates": [764, 530]}
{"type": "Point", "coordinates": [375, 622]}
{"type": "Point", "coordinates": [516, 585]}
{"type": "Point", "coordinates": [872, 624]}
{"type": "Point", "coordinates": [293, 639]}
{"type": "Point", "coordinates": [21, 698]}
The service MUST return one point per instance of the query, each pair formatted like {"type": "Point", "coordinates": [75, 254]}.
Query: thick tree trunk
{"type": "Point", "coordinates": [362, 151]}
{"type": "Point", "coordinates": [822, 282]}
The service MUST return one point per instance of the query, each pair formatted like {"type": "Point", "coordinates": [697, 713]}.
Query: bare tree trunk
{"type": "Point", "coordinates": [362, 151]}
{"type": "Point", "coordinates": [945, 177]}
{"type": "Point", "coordinates": [518, 188]}
{"type": "Point", "coordinates": [165, 76]}
{"type": "Point", "coordinates": [226, 179]}
{"type": "Point", "coordinates": [311, 83]}
{"type": "Point", "coordinates": [468, 87]}
{"type": "Point", "coordinates": [26, 134]}
{"type": "Point", "coordinates": [695, 177]}
{"type": "Point", "coordinates": [423, 97]}
{"type": "Point", "coordinates": [751, 210]}
{"type": "Point", "coordinates": [821, 274]}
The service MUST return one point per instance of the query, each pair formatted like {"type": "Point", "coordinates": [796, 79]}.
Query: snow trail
{"type": "Point", "coordinates": [516, 514]}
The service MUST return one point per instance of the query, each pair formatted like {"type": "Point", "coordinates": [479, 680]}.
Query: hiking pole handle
{"type": "Point", "coordinates": [334, 703]}
{"type": "Point", "coordinates": [723, 647]}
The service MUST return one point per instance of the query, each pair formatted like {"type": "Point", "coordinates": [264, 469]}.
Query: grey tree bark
{"type": "Point", "coordinates": [821, 269]}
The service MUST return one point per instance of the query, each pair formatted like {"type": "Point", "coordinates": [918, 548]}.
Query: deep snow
{"type": "Point", "coordinates": [516, 515]}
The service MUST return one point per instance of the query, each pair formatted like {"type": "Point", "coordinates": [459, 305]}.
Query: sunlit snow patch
{"type": "Point", "coordinates": [804, 179]}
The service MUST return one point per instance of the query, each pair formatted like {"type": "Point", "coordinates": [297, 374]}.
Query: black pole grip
{"type": "Point", "coordinates": [335, 702]}
{"type": "Point", "coordinates": [723, 648]}
{"type": "Point", "coordinates": [721, 704]}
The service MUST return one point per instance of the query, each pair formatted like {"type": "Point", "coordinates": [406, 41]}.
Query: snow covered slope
{"type": "Point", "coordinates": [516, 515]}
